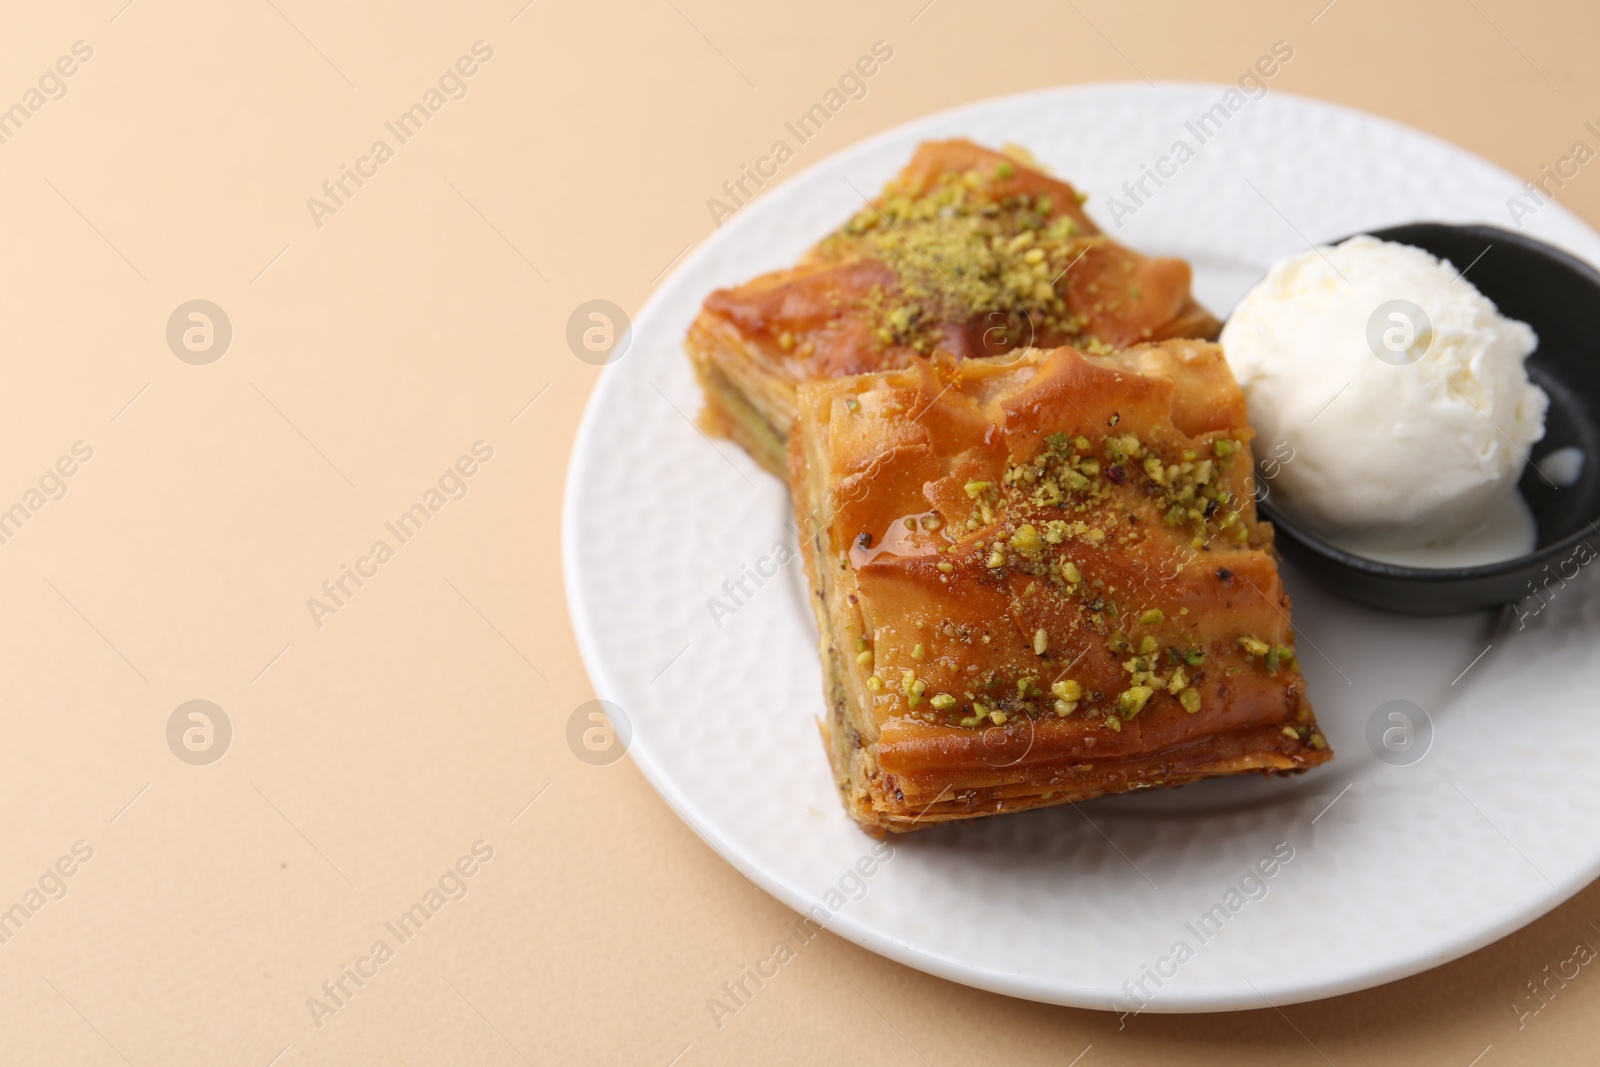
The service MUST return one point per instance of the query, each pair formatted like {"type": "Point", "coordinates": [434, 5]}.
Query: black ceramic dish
{"type": "Point", "coordinates": [1559, 296]}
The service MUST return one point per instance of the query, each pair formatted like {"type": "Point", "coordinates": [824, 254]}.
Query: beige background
{"type": "Point", "coordinates": [368, 354]}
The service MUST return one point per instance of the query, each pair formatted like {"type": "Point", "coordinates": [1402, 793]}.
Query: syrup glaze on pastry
{"type": "Point", "coordinates": [1040, 578]}
{"type": "Point", "coordinates": [968, 251]}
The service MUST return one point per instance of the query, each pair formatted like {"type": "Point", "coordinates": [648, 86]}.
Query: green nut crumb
{"type": "Point", "coordinates": [1253, 645]}
{"type": "Point", "coordinates": [1131, 701]}
{"type": "Point", "coordinates": [1027, 540]}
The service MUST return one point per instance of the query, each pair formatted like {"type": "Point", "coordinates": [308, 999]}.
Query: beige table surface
{"type": "Point", "coordinates": [375, 744]}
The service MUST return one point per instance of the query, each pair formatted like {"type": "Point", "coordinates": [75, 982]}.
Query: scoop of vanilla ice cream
{"type": "Point", "coordinates": [1385, 426]}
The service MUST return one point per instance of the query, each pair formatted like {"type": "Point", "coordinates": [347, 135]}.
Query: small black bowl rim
{"type": "Point", "coordinates": [1450, 575]}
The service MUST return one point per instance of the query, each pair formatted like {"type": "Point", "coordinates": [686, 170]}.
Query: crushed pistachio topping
{"type": "Point", "coordinates": [1036, 528]}
{"type": "Point", "coordinates": [1273, 657]}
{"type": "Point", "coordinates": [1068, 694]}
{"type": "Point", "coordinates": [1178, 682]}
{"type": "Point", "coordinates": [1253, 645]}
{"type": "Point", "coordinates": [963, 250]}
{"type": "Point", "coordinates": [1069, 492]}
{"type": "Point", "coordinates": [1132, 700]}
{"type": "Point", "coordinates": [1027, 541]}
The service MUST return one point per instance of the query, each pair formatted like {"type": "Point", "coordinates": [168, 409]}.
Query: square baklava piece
{"type": "Point", "coordinates": [967, 251]}
{"type": "Point", "coordinates": [1040, 578]}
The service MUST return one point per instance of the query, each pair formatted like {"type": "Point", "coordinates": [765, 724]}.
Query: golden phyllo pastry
{"type": "Point", "coordinates": [968, 251]}
{"type": "Point", "coordinates": [1040, 578]}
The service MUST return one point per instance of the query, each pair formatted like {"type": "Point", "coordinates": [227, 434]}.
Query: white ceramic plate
{"type": "Point", "coordinates": [1396, 866]}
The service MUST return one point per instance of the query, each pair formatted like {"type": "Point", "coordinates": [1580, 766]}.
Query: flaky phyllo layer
{"type": "Point", "coordinates": [967, 251]}
{"type": "Point", "coordinates": [1040, 578]}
